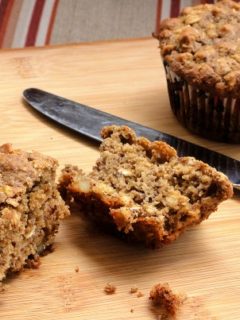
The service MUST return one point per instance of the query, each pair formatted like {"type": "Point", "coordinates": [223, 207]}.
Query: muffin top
{"type": "Point", "coordinates": [202, 46]}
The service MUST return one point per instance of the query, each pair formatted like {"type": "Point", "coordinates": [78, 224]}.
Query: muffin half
{"type": "Point", "coordinates": [143, 190]}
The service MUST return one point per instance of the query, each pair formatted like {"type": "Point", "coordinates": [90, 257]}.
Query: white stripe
{"type": "Point", "coordinates": [44, 23]}
{"type": "Point", "coordinates": [23, 24]}
{"type": "Point", "coordinates": [166, 5]}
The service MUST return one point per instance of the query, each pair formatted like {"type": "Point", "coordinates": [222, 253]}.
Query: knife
{"type": "Point", "coordinates": [89, 121]}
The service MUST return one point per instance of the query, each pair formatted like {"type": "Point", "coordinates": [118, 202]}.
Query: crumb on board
{"type": "Point", "coordinates": [140, 294]}
{"type": "Point", "coordinates": [109, 288]}
{"type": "Point", "coordinates": [163, 297]}
{"type": "Point", "coordinates": [76, 269]}
{"type": "Point", "coordinates": [134, 289]}
{"type": "Point", "coordinates": [2, 288]}
{"type": "Point", "coordinates": [132, 310]}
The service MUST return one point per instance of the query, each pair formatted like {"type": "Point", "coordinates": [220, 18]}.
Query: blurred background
{"type": "Point", "coordinates": [43, 22]}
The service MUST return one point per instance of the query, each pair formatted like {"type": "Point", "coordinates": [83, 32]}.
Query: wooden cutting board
{"type": "Point", "coordinates": [126, 79]}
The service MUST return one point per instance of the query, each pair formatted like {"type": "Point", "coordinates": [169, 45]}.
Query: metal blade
{"type": "Point", "coordinates": [89, 121]}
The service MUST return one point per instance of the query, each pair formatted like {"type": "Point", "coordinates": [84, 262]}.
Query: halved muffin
{"type": "Point", "coordinates": [143, 189]}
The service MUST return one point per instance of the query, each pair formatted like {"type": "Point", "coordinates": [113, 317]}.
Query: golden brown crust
{"type": "Point", "coordinates": [202, 46]}
{"type": "Point", "coordinates": [143, 189]}
{"type": "Point", "coordinates": [31, 208]}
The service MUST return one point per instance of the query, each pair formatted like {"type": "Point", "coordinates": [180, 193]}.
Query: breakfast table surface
{"type": "Point", "coordinates": [125, 78]}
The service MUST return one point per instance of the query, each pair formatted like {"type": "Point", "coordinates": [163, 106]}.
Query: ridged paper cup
{"type": "Point", "coordinates": [208, 115]}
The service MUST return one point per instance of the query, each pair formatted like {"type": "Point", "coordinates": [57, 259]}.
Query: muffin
{"type": "Point", "coordinates": [31, 208]}
{"type": "Point", "coordinates": [201, 56]}
{"type": "Point", "coordinates": [142, 190]}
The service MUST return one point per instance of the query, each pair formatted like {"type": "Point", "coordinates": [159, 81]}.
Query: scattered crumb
{"type": "Point", "coordinates": [194, 308]}
{"type": "Point", "coordinates": [140, 294]}
{"type": "Point", "coordinates": [77, 269]}
{"type": "Point", "coordinates": [2, 288]}
{"type": "Point", "coordinates": [162, 296]}
{"type": "Point", "coordinates": [110, 289]}
{"type": "Point", "coordinates": [133, 289]}
{"type": "Point", "coordinates": [132, 310]}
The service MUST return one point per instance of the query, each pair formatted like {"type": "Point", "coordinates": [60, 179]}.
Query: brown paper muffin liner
{"type": "Point", "coordinates": [213, 117]}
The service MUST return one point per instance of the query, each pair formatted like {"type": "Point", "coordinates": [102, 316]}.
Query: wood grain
{"type": "Point", "coordinates": [124, 78]}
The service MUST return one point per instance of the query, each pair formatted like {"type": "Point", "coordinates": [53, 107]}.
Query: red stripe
{"type": "Point", "coordinates": [34, 24]}
{"type": "Point", "coordinates": [5, 11]}
{"type": "Point", "coordinates": [3, 8]}
{"type": "Point", "coordinates": [158, 17]}
{"type": "Point", "coordinates": [175, 8]}
{"type": "Point", "coordinates": [51, 22]}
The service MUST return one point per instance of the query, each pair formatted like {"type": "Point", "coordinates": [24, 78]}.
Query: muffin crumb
{"type": "Point", "coordinates": [134, 289]}
{"type": "Point", "coordinates": [2, 287]}
{"type": "Point", "coordinates": [77, 269]}
{"type": "Point", "coordinates": [162, 296]}
{"type": "Point", "coordinates": [110, 289]}
{"type": "Point", "coordinates": [140, 294]}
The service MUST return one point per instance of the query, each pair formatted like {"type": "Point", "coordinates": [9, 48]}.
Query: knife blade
{"type": "Point", "coordinates": [89, 121]}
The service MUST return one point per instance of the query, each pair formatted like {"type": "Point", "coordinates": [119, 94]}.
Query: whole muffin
{"type": "Point", "coordinates": [201, 56]}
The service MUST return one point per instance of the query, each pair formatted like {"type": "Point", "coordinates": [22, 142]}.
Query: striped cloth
{"type": "Point", "coordinates": [42, 22]}
{"type": "Point", "coordinates": [26, 22]}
